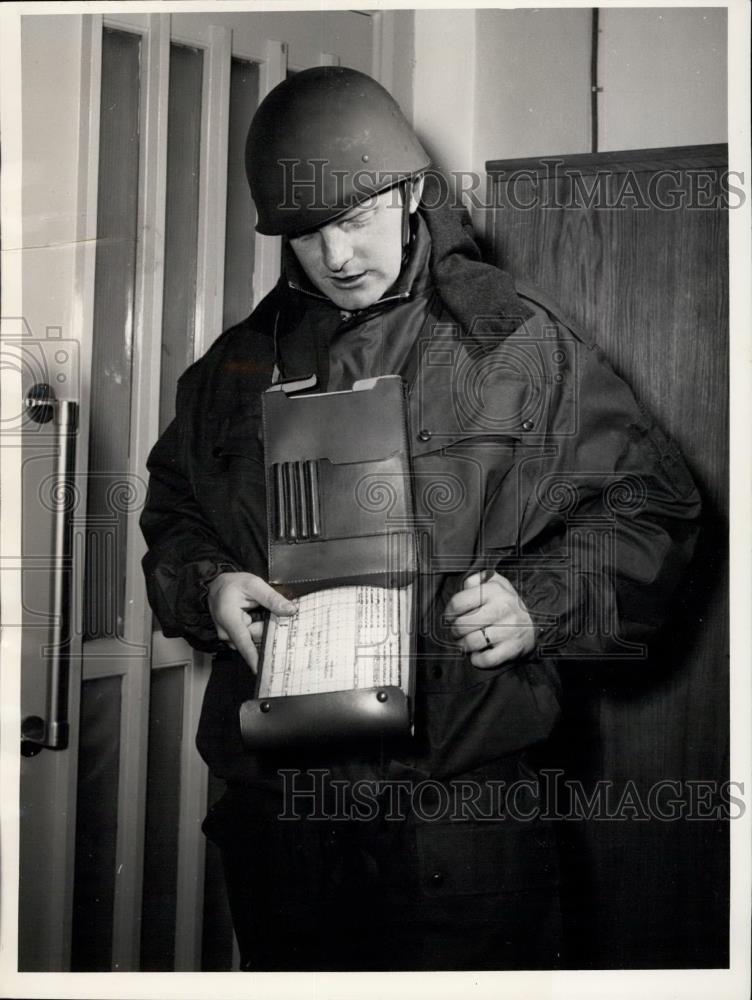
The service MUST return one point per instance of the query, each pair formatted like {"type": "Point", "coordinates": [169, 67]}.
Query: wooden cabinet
{"type": "Point", "coordinates": [634, 247]}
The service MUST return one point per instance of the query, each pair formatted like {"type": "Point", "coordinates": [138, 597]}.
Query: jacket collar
{"type": "Point", "coordinates": [481, 297]}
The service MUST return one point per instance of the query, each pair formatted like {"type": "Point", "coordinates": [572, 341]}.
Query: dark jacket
{"type": "Point", "coordinates": [529, 456]}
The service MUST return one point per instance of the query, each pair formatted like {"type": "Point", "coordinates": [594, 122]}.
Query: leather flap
{"type": "Point", "coordinates": [354, 426]}
{"type": "Point", "coordinates": [332, 717]}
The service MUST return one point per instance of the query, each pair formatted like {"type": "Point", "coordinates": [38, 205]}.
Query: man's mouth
{"type": "Point", "coordinates": [348, 280]}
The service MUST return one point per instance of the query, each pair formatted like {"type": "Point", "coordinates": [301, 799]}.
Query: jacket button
{"type": "Point", "coordinates": [437, 878]}
{"type": "Point", "coordinates": [217, 451]}
{"type": "Point", "coordinates": [528, 425]}
{"type": "Point", "coordinates": [424, 435]}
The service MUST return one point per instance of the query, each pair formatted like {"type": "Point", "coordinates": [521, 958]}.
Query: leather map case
{"type": "Point", "coordinates": [341, 543]}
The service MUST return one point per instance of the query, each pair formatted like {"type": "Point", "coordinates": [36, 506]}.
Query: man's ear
{"type": "Point", "coordinates": [416, 192]}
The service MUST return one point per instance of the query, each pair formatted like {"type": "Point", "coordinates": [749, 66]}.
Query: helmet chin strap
{"type": "Point", "coordinates": [406, 234]}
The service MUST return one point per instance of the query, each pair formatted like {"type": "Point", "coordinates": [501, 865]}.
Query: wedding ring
{"type": "Point", "coordinates": [489, 644]}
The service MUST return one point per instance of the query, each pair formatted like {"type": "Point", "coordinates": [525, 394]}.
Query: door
{"type": "Point", "coordinates": [138, 251]}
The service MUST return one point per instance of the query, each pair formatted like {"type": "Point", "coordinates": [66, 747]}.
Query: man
{"type": "Point", "coordinates": [554, 520]}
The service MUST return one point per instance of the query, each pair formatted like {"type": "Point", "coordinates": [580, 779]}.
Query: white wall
{"type": "Point", "coordinates": [444, 85]}
{"type": "Point", "coordinates": [51, 57]}
{"type": "Point", "coordinates": [492, 84]}
{"type": "Point", "coordinates": [663, 73]}
{"type": "Point", "coordinates": [398, 75]}
{"type": "Point", "coordinates": [533, 93]}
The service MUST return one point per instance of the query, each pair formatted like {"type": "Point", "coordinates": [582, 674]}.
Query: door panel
{"type": "Point", "coordinates": [147, 253]}
{"type": "Point", "coordinates": [97, 824]}
{"type": "Point", "coordinates": [181, 221]}
{"type": "Point", "coordinates": [239, 243]}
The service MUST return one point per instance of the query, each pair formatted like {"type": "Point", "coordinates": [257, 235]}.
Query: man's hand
{"type": "Point", "coordinates": [490, 621]}
{"type": "Point", "coordinates": [231, 597]}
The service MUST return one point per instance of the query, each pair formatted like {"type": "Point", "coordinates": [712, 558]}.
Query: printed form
{"type": "Point", "coordinates": [341, 639]}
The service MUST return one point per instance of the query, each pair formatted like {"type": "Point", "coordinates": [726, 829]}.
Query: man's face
{"type": "Point", "coordinates": [357, 257]}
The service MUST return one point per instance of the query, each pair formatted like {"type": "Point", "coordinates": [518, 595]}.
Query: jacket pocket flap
{"type": "Point", "coordinates": [501, 855]}
{"type": "Point", "coordinates": [498, 408]}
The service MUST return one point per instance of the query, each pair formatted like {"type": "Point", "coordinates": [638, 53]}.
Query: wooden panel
{"type": "Point", "coordinates": [649, 281]}
{"type": "Point", "coordinates": [615, 161]}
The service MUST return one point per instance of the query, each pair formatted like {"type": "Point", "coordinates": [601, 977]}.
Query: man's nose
{"type": "Point", "coordinates": [336, 250]}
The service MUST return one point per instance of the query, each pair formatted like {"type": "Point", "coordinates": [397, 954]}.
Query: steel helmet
{"type": "Point", "coordinates": [321, 142]}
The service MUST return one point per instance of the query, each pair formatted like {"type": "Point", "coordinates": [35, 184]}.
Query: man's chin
{"type": "Point", "coordinates": [354, 302]}
{"type": "Point", "coordinates": [357, 298]}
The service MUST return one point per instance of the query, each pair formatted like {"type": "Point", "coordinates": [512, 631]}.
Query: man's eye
{"type": "Point", "coordinates": [359, 221]}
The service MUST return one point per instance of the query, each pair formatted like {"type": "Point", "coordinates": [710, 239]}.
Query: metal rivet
{"type": "Point", "coordinates": [265, 706]}
{"type": "Point", "coordinates": [382, 696]}
{"type": "Point", "coordinates": [437, 878]}
{"type": "Point", "coordinates": [424, 435]}
{"type": "Point", "coordinates": [364, 157]}
{"type": "Point", "coordinates": [558, 377]}
{"type": "Point", "coordinates": [528, 425]}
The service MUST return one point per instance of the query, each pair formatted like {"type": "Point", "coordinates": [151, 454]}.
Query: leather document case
{"type": "Point", "coordinates": [342, 547]}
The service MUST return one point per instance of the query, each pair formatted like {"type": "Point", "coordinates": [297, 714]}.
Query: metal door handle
{"type": "Point", "coordinates": [52, 731]}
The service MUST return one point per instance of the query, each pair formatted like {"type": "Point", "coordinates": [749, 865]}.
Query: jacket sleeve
{"type": "Point", "coordinates": [184, 553]}
{"type": "Point", "coordinates": [609, 520]}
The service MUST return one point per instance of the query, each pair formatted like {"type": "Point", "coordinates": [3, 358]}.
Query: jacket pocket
{"type": "Point", "coordinates": [504, 711]}
{"type": "Point", "coordinates": [451, 490]}
{"type": "Point", "coordinates": [496, 408]}
{"type": "Point", "coordinates": [470, 858]}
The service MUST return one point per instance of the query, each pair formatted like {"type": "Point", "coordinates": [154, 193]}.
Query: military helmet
{"type": "Point", "coordinates": [321, 142]}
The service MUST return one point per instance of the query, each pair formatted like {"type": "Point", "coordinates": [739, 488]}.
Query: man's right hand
{"type": "Point", "coordinates": [231, 596]}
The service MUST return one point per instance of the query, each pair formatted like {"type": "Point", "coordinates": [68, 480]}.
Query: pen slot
{"type": "Point", "coordinates": [300, 477]}
{"type": "Point", "coordinates": [312, 482]}
{"type": "Point", "coordinates": [279, 501]}
{"type": "Point", "coordinates": [291, 501]}
{"type": "Point", "coordinates": [297, 509]}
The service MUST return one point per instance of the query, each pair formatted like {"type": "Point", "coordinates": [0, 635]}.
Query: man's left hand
{"type": "Point", "coordinates": [490, 621]}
